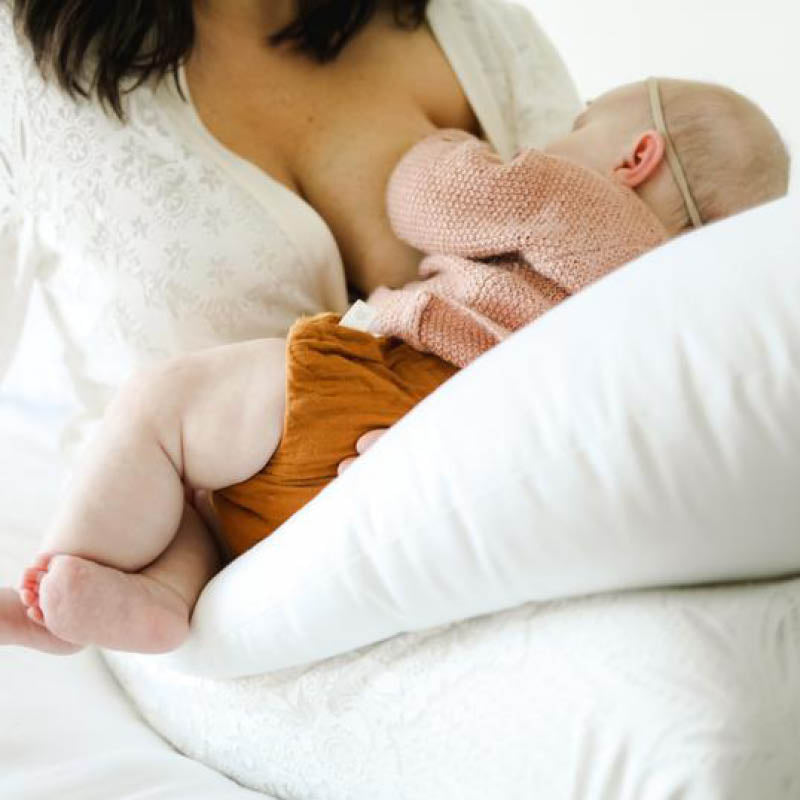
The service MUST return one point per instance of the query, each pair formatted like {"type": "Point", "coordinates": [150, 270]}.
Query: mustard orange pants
{"type": "Point", "coordinates": [340, 383]}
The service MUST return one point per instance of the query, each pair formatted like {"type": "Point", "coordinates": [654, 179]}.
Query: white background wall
{"type": "Point", "coordinates": [752, 46]}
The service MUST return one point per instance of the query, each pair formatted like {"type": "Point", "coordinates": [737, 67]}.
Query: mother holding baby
{"type": "Point", "coordinates": [190, 174]}
{"type": "Point", "coordinates": [228, 174]}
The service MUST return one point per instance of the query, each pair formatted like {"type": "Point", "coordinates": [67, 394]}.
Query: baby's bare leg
{"type": "Point", "coordinates": [206, 420]}
{"type": "Point", "coordinates": [83, 602]}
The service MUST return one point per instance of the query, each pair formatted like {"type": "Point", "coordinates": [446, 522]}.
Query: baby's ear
{"type": "Point", "coordinates": [642, 160]}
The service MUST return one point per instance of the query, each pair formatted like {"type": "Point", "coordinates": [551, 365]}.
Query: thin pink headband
{"type": "Point", "coordinates": [672, 154]}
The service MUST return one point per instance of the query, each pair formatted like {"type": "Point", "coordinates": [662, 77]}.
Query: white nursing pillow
{"type": "Point", "coordinates": [644, 433]}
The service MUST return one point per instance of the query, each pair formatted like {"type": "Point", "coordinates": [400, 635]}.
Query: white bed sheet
{"type": "Point", "coordinates": [66, 728]}
{"type": "Point", "coordinates": [689, 694]}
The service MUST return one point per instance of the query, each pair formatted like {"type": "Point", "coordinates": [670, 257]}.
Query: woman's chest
{"type": "Point", "coordinates": [333, 133]}
{"type": "Point", "coordinates": [146, 247]}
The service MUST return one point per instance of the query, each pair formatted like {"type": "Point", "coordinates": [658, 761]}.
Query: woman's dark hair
{"type": "Point", "coordinates": [137, 38]}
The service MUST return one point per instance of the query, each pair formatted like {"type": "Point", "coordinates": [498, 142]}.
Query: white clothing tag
{"type": "Point", "coordinates": [359, 317]}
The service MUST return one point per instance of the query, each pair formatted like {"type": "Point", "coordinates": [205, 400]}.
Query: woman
{"type": "Point", "coordinates": [216, 169]}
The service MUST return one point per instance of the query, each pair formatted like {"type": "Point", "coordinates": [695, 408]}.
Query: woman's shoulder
{"type": "Point", "coordinates": [510, 68]}
{"type": "Point", "coordinates": [505, 14]}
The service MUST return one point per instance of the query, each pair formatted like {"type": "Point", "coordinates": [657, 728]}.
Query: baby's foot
{"type": "Point", "coordinates": [16, 628]}
{"type": "Point", "coordinates": [86, 603]}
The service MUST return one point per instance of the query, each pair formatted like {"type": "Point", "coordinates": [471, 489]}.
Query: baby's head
{"type": "Point", "coordinates": [730, 152]}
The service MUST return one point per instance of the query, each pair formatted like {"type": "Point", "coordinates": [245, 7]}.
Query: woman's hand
{"type": "Point", "coordinates": [362, 445]}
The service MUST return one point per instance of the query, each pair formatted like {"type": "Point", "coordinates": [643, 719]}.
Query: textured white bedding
{"type": "Point", "coordinates": [663, 695]}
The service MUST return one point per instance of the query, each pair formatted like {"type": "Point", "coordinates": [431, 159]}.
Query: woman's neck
{"type": "Point", "coordinates": [253, 19]}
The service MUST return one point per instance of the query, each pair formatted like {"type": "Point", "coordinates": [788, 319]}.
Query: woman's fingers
{"type": "Point", "coordinates": [362, 445]}
{"type": "Point", "coordinates": [369, 439]}
{"type": "Point", "coordinates": [344, 465]}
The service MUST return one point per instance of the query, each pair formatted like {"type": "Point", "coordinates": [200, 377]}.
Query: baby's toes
{"type": "Point", "coordinates": [33, 574]}
{"type": "Point", "coordinates": [29, 585]}
{"type": "Point", "coordinates": [31, 580]}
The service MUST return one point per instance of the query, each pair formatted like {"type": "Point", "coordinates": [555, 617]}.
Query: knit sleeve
{"type": "Point", "coordinates": [14, 277]}
{"type": "Point", "coordinates": [452, 193]}
{"type": "Point", "coordinates": [461, 308]}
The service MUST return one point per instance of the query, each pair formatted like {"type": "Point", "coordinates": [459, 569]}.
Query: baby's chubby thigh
{"type": "Point", "coordinates": [219, 412]}
{"type": "Point", "coordinates": [203, 420]}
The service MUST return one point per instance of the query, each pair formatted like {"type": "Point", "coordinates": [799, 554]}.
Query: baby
{"type": "Point", "coordinates": [127, 556]}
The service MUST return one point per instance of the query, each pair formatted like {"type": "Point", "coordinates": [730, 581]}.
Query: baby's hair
{"type": "Point", "coordinates": [733, 155]}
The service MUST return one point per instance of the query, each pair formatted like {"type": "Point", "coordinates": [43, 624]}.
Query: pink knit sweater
{"type": "Point", "coordinates": [505, 242]}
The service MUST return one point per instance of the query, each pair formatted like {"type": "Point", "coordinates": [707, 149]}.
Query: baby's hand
{"type": "Point", "coordinates": [362, 445]}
